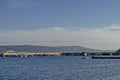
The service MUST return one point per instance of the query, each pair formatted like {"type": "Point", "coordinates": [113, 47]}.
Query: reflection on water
{"type": "Point", "coordinates": [58, 68]}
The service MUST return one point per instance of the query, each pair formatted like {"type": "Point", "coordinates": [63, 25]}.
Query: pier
{"type": "Point", "coordinates": [11, 53]}
{"type": "Point", "coordinates": [27, 54]}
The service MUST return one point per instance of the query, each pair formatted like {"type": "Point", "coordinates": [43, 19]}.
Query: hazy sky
{"type": "Point", "coordinates": [89, 23]}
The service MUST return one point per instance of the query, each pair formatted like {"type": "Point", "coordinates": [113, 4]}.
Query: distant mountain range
{"type": "Point", "coordinates": [62, 49]}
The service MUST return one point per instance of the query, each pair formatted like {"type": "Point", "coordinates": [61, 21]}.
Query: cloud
{"type": "Point", "coordinates": [114, 27]}
{"type": "Point", "coordinates": [100, 38]}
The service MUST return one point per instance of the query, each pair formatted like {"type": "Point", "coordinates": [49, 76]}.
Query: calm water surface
{"type": "Point", "coordinates": [58, 68]}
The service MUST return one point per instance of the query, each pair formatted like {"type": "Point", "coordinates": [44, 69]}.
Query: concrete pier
{"type": "Point", "coordinates": [26, 54]}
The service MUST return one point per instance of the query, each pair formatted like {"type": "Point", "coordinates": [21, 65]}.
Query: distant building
{"type": "Point", "coordinates": [85, 53]}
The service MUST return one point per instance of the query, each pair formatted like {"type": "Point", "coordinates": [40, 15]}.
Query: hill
{"type": "Point", "coordinates": [63, 49]}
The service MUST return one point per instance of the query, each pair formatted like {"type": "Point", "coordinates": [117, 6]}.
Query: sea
{"type": "Point", "coordinates": [59, 68]}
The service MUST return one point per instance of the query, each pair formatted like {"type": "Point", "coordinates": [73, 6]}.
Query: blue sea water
{"type": "Point", "coordinates": [58, 68]}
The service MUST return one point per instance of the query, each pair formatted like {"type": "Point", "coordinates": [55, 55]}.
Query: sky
{"type": "Point", "coordinates": [88, 23]}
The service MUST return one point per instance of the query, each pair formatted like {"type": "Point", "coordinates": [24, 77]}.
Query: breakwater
{"type": "Point", "coordinates": [27, 54]}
